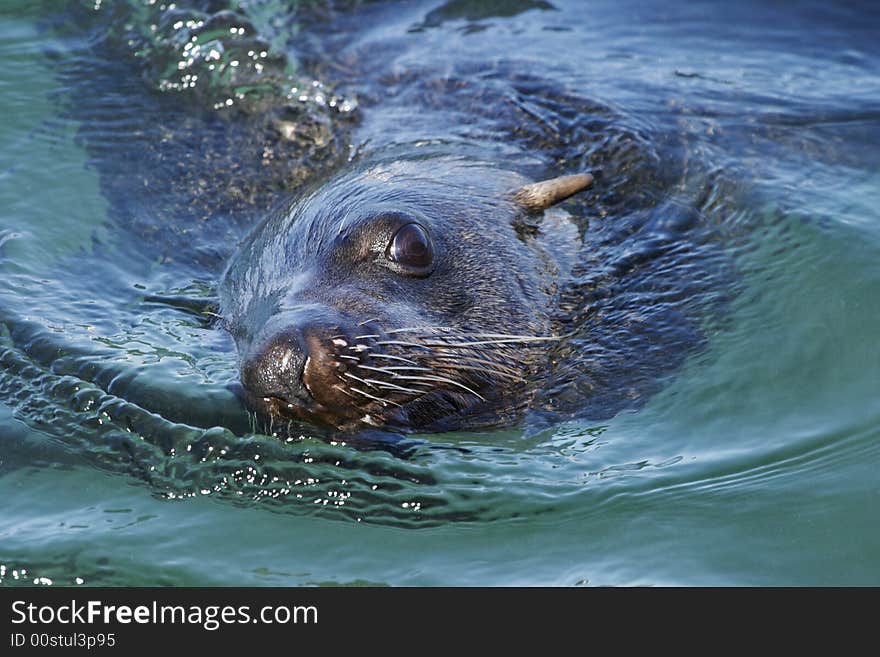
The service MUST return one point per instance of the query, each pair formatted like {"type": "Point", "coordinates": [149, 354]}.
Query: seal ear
{"type": "Point", "coordinates": [539, 196]}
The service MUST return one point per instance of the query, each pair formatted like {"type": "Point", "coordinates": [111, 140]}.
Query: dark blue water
{"type": "Point", "coordinates": [126, 460]}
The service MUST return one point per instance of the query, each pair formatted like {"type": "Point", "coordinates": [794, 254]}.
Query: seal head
{"type": "Point", "coordinates": [412, 295]}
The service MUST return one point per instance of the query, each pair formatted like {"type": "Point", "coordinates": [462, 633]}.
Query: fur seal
{"type": "Point", "coordinates": [409, 295]}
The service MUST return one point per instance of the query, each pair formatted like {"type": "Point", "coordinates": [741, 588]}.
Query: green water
{"type": "Point", "coordinates": [755, 463]}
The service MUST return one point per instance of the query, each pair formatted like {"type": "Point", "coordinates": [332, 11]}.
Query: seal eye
{"type": "Point", "coordinates": [412, 249]}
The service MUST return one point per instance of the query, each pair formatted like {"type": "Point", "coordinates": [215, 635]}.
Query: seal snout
{"type": "Point", "coordinates": [294, 366]}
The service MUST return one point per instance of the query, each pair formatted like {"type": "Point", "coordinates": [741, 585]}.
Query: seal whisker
{"type": "Point", "coordinates": [399, 343]}
{"type": "Point", "coordinates": [343, 390]}
{"type": "Point", "coordinates": [486, 343]}
{"type": "Point", "coordinates": [367, 321]}
{"type": "Point", "coordinates": [465, 345]}
{"type": "Point", "coordinates": [357, 378]}
{"type": "Point", "coordinates": [392, 386]}
{"type": "Point", "coordinates": [397, 368]}
{"type": "Point", "coordinates": [465, 356]}
{"type": "Point", "coordinates": [486, 370]}
{"type": "Point", "coordinates": [496, 336]}
{"type": "Point", "coordinates": [378, 399]}
{"type": "Point", "coordinates": [424, 329]}
{"type": "Point", "coordinates": [442, 379]}
{"type": "Point", "coordinates": [495, 367]}
{"type": "Point", "coordinates": [390, 357]}
{"type": "Point", "coordinates": [455, 333]}
{"type": "Point", "coordinates": [373, 368]}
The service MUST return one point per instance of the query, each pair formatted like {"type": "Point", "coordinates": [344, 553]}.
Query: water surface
{"type": "Point", "coordinates": [125, 459]}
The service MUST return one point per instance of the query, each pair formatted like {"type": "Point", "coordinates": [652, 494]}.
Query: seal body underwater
{"type": "Point", "coordinates": [408, 294]}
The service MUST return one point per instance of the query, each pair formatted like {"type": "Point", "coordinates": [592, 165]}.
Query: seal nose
{"type": "Point", "coordinates": [274, 368]}
{"type": "Point", "coordinates": [291, 357]}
